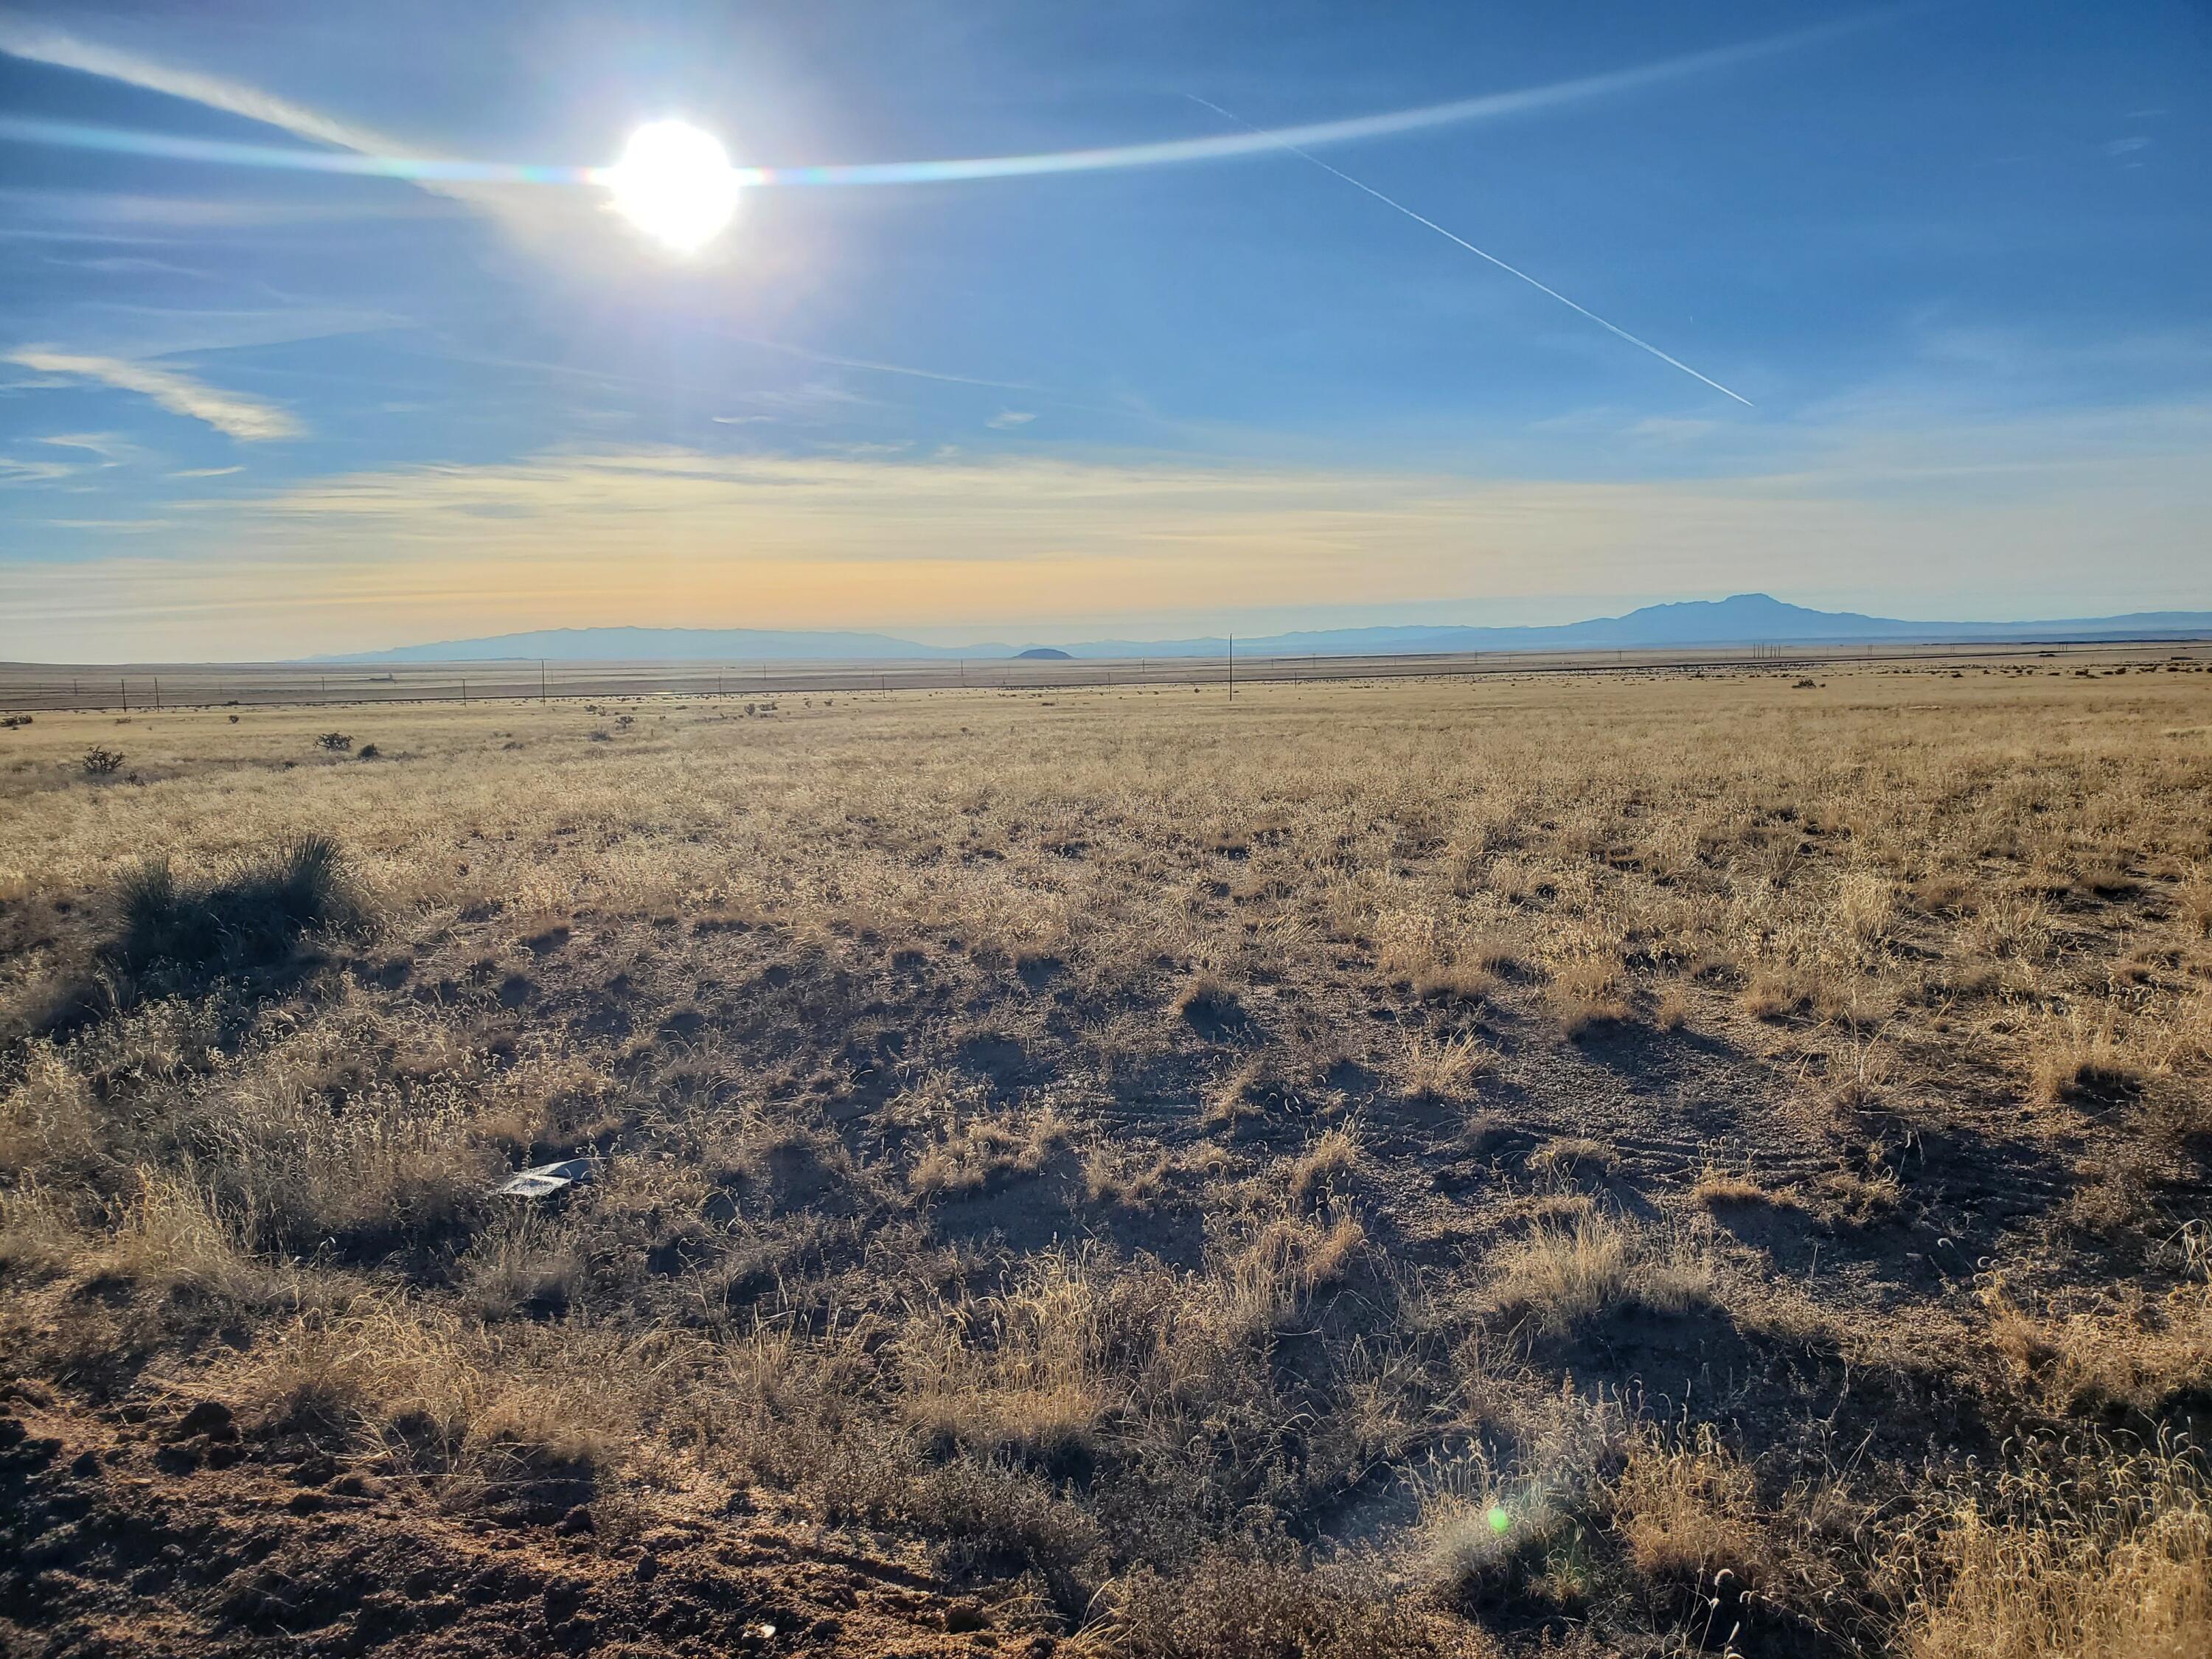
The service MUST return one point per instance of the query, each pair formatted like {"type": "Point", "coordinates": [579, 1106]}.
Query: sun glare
{"type": "Point", "coordinates": [675, 183]}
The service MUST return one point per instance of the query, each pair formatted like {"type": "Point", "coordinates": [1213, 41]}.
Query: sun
{"type": "Point", "coordinates": [675, 183]}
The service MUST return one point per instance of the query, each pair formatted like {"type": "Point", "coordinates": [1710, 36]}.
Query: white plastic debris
{"type": "Point", "coordinates": [545, 1179]}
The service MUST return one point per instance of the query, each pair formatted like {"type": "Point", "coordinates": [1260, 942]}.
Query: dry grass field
{"type": "Point", "coordinates": [1641, 1163]}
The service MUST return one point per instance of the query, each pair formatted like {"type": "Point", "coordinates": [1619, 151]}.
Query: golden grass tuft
{"type": "Point", "coordinates": [1567, 1156]}
{"type": "Point", "coordinates": [1328, 1159]}
{"type": "Point", "coordinates": [1443, 1068]}
{"type": "Point", "coordinates": [1725, 1190]}
{"type": "Point", "coordinates": [1560, 1278]}
{"type": "Point", "coordinates": [1687, 1511]}
{"type": "Point", "coordinates": [1583, 994]}
{"type": "Point", "coordinates": [2106, 1557]}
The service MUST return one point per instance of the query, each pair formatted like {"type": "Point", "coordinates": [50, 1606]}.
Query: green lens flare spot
{"type": "Point", "coordinates": [1499, 1521]}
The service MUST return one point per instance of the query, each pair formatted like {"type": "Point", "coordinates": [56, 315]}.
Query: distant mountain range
{"type": "Point", "coordinates": [1745, 619]}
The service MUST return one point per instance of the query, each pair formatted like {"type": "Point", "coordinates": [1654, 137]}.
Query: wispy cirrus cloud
{"type": "Point", "coordinates": [13, 471]}
{"type": "Point", "coordinates": [249, 420]}
{"type": "Point", "coordinates": [38, 43]}
{"type": "Point", "coordinates": [111, 449]}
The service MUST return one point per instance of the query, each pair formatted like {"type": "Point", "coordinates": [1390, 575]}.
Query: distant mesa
{"type": "Point", "coordinates": [1741, 619]}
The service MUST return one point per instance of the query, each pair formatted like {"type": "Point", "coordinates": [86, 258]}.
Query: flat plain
{"type": "Point", "coordinates": [1698, 1161]}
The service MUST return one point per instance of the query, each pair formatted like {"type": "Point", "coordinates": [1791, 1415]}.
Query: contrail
{"type": "Point", "coordinates": [1514, 270]}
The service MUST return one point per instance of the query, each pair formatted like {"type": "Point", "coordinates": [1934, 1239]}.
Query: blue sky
{"type": "Point", "coordinates": [1953, 255]}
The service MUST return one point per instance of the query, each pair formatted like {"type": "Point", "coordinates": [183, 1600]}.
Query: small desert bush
{"type": "Point", "coordinates": [983, 1151]}
{"type": "Point", "coordinates": [313, 1380]}
{"type": "Point", "coordinates": [2011, 926]}
{"type": "Point", "coordinates": [1489, 1534]}
{"type": "Point", "coordinates": [253, 913]}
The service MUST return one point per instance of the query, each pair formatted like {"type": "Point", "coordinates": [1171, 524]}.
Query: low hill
{"type": "Point", "coordinates": [1741, 619]}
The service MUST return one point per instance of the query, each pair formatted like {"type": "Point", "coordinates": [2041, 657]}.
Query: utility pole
{"type": "Point", "coordinates": [464, 688]}
{"type": "Point", "coordinates": [124, 686]}
{"type": "Point", "coordinates": [541, 679]}
{"type": "Point", "coordinates": [1232, 668]}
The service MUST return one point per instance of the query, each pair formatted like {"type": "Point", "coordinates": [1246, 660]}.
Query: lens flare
{"type": "Point", "coordinates": [674, 183]}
